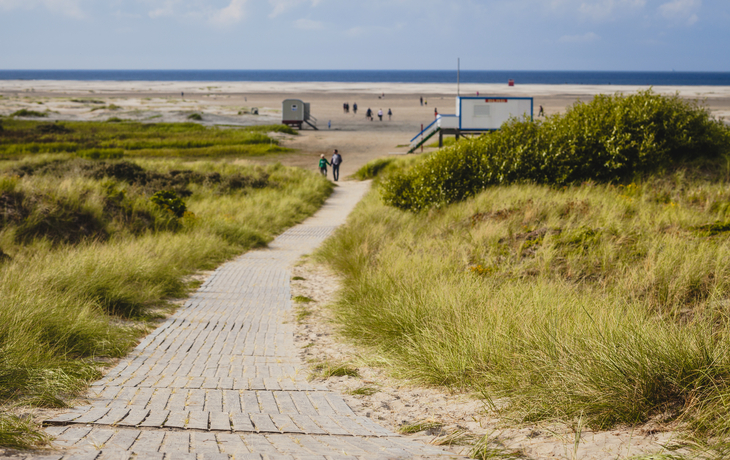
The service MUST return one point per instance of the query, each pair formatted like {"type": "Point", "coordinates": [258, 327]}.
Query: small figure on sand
{"type": "Point", "coordinates": [344, 107]}
{"type": "Point", "coordinates": [380, 114]}
{"type": "Point", "coordinates": [329, 124]}
{"type": "Point", "coordinates": [421, 100]}
{"type": "Point", "coordinates": [435, 112]}
{"type": "Point", "coordinates": [354, 108]}
{"type": "Point", "coordinates": [336, 161]}
{"type": "Point", "coordinates": [425, 102]}
{"type": "Point", "coordinates": [390, 114]}
{"type": "Point", "coordinates": [323, 163]}
{"type": "Point", "coordinates": [182, 94]}
{"type": "Point", "coordinates": [541, 113]}
{"type": "Point", "coordinates": [369, 114]}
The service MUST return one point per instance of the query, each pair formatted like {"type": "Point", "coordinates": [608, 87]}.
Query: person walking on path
{"type": "Point", "coordinates": [541, 113]}
{"type": "Point", "coordinates": [369, 114]}
{"type": "Point", "coordinates": [323, 163]}
{"type": "Point", "coordinates": [336, 161]}
{"type": "Point", "coordinates": [390, 114]}
{"type": "Point", "coordinates": [354, 108]}
{"type": "Point", "coordinates": [380, 114]}
{"type": "Point", "coordinates": [421, 100]}
{"type": "Point", "coordinates": [435, 112]}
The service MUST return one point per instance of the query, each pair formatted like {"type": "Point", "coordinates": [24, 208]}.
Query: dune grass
{"type": "Point", "coordinates": [604, 302]}
{"type": "Point", "coordinates": [23, 137]}
{"type": "Point", "coordinates": [85, 256]}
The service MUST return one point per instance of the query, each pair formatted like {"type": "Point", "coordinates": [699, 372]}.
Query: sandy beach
{"type": "Point", "coordinates": [359, 140]}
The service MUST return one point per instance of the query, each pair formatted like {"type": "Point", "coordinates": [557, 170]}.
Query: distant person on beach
{"type": "Point", "coordinates": [421, 100]}
{"type": "Point", "coordinates": [182, 94]}
{"type": "Point", "coordinates": [369, 114]}
{"type": "Point", "coordinates": [380, 114]}
{"type": "Point", "coordinates": [344, 107]}
{"type": "Point", "coordinates": [435, 112]}
{"type": "Point", "coordinates": [336, 161]}
{"type": "Point", "coordinates": [390, 114]}
{"type": "Point", "coordinates": [354, 108]}
{"type": "Point", "coordinates": [329, 124]}
{"type": "Point", "coordinates": [477, 93]}
{"type": "Point", "coordinates": [541, 113]}
{"type": "Point", "coordinates": [425, 102]}
{"type": "Point", "coordinates": [323, 165]}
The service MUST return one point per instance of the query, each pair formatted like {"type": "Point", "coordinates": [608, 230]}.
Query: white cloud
{"type": "Point", "coordinates": [585, 38]}
{"type": "Point", "coordinates": [231, 14]}
{"type": "Point", "coordinates": [681, 10]}
{"type": "Point", "coordinates": [70, 8]}
{"type": "Point", "coordinates": [308, 24]}
{"type": "Point", "coordinates": [607, 9]}
{"type": "Point", "coordinates": [283, 6]}
{"type": "Point", "coordinates": [167, 9]}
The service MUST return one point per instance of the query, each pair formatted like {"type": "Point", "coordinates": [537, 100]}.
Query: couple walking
{"type": "Point", "coordinates": [335, 162]}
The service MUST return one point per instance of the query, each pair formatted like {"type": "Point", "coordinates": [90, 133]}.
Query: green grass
{"type": "Point", "coordinates": [302, 299]}
{"type": "Point", "coordinates": [19, 433]}
{"type": "Point", "coordinates": [364, 391]}
{"type": "Point", "coordinates": [28, 113]}
{"type": "Point", "coordinates": [298, 278]}
{"type": "Point", "coordinates": [25, 137]}
{"type": "Point", "coordinates": [418, 427]}
{"type": "Point", "coordinates": [86, 255]}
{"type": "Point", "coordinates": [327, 369]}
{"type": "Point", "coordinates": [448, 142]}
{"type": "Point", "coordinates": [596, 301]}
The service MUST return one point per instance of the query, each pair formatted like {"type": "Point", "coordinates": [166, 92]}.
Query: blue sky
{"type": "Point", "coordinates": [684, 35]}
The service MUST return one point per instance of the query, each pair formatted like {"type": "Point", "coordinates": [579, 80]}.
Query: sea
{"type": "Point", "coordinates": [385, 76]}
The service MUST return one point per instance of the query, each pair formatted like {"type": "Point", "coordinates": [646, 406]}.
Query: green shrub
{"type": "Point", "coordinates": [169, 200]}
{"type": "Point", "coordinates": [373, 168]}
{"type": "Point", "coordinates": [195, 116]}
{"type": "Point", "coordinates": [28, 113]}
{"type": "Point", "coordinates": [101, 154]}
{"type": "Point", "coordinates": [611, 139]}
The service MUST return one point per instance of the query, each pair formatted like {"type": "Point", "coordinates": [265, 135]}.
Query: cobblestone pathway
{"type": "Point", "coordinates": [220, 379]}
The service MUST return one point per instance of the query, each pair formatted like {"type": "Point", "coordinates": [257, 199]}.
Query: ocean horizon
{"type": "Point", "coordinates": [385, 76]}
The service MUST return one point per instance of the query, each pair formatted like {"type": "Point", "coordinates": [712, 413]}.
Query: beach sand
{"type": "Point", "coordinates": [358, 139]}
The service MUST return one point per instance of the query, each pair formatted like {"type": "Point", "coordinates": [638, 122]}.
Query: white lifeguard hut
{"type": "Point", "coordinates": [475, 115]}
{"type": "Point", "coordinates": [295, 112]}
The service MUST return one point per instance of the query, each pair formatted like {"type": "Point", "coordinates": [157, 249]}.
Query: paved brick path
{"type": "Point", "coordinates": [220, 379]}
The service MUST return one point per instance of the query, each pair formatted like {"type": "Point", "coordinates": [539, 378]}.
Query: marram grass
{"type": "Point", "coordinates": [604, 302]}
{"type": "Point", "coordinates": [103, 255]}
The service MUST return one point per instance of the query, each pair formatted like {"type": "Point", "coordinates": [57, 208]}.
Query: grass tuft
{"type": "Point", "coordinates": [417, 427]}
{"type": "Point", "coordinates": [28, 114]}
{"type": "Point", "coordinates": [302, 299]}
{"type": "Point", "coordinates": [327, 369]}
{"type": "Point", "coordinates": [20, 433]}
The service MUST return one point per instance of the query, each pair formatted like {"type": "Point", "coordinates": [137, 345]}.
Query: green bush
{"type": "Point", "coordinates": [610, 139]}
{"type": "Point", "coordinates": [169, 200]}
{"type": "Point", "coordinates": [28, 113]}
{"type": "Point", "coordinates": [101, 154]}
{"type": "Point", "coordinates": [195, 116]}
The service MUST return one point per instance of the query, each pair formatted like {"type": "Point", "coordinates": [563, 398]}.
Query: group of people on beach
{"type": "Point", "coordinates": [369, 114]}
{"type": "Point", "coordinates": [346, 107]}
{"type": "Point", "coordinates": [335, 162]}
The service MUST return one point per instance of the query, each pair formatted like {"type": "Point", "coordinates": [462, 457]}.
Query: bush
{"type": "Point", "coordinates": [610, 139]}
{"type": "Point", "coordinates": [101, 154]}
{"type": "Point", "coordinates": [195, 116]}
{"type": "Point", "coordinates": [28, 113]}
{"type": "Point", "coordinates": [168, 200]}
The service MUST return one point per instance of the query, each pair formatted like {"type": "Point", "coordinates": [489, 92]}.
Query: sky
{"type": "Point", "coordinates": [604, 35]}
